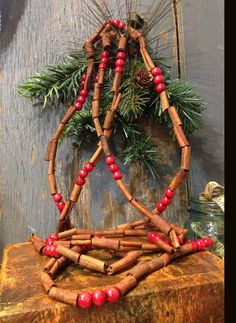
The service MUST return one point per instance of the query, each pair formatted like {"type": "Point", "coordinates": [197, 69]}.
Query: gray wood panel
{"type": "Point", "coordinates": [203, 22]}
{"type": "Point", "coordinates": [34, 34]}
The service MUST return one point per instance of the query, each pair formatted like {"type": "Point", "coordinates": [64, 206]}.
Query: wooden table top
{"type": "Point", "coordinates": [190, 289]}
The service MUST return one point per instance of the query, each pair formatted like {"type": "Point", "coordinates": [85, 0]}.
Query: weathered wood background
{"type": "Point", "coordinates": [33, 34]}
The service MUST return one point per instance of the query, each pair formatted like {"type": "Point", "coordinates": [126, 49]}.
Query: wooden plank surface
{"type": "Point", "coordinates": [203, 22]}
{"type": "Point", "coordinates": [34, 33]}
{"type": "Point", "coordinates": [190, 289]}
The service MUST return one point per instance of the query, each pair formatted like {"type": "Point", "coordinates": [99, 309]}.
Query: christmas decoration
{"type": "Point", "coordinates": [70, 244]}
{"type": "Point", "coordinates": [61, 83]}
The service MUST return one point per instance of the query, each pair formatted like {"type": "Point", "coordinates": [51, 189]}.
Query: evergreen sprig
{"type": "Point", "coordinates": [57, 83]}
{"type": "Point", "coordinates": [140, 149]}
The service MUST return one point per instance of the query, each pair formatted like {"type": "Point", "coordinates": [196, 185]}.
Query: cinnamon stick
{"type": "Point", "coordinates": [75, 193]}
{"type": "Point", "coordinates": [67, 233]}
{"type": "Point", "coordinates": [128, 260]}
{"type": "Point", "coordinates": [175, 119]}
{"type": "Point", "coordinates": [69, 114]}
{"type": "Point", "coordinates": [126, 284]}
{"type": "Point", "coordinates": [92, 263]}
{"type": "Point", "coordinates": [47, 282]}
{"type": "Point", "coordinates": [178, 179]}
{"type": "Point", "coordinates": [180, 136]}
{"type": "Point", "coordinates": [63, 295]}
{"type": "Point", "coordinates": [185, 158]}
{"type": "Point", "coordinates": [164, 101]}
{"type": "Point", "coordinates": [68, 253]}
{"type": "Point", "coordinates": [52, 184]}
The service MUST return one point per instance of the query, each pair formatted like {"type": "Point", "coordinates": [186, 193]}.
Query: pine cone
{"type": "Point", "coordinates": [143, 78]}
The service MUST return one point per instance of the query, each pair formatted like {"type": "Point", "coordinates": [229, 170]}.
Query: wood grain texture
{"type": "Point", "coordinates": [190, 289]}
{"type": "Point", "coordinates": [203, 23]}
{"type": "Point", "coordinates": [34, 34]}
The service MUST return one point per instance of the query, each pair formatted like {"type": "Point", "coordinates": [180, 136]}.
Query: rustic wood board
{"type": "Point", "coordinates": [34, 34]}
{"type": "Point", "coordinates": [191, 289]}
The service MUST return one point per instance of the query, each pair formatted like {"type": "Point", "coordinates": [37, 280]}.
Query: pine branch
{"type": "Point", "coordinates": [57, 83]}
{"type": "Point", "coordinates": [187, 102]}
{"type": "Point", "coordinates": [140, 149]}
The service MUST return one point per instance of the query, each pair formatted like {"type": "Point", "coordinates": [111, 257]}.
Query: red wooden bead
{"type": "Point", "coordinates": [83, 78]}
{"type": "Point", "coordinates": [119, 69]}
{"type": "Point", "coordinates": [105, 53]}
{"type": "Point", "coordinates": [98, 297]}
{"type": "Point", "coordinates": [117, 175]}
{"type": "Point", "coordinates": [120, 62]}
{"type": "Point", "coordinates": [96, 78]}
{"type": "Point", "coordinates": [45, 250]}
{"type": "Point", "coordinates": [102, 66]}
{"type": "Point", "coordinates": [193, 244]}
{"type": "Point", "coordinates": [160, 207]}
{"type": "Point", "coordinates": [200, 244]}
{"type": "Point", "coordinates": [152, 236]}
{"type": "Point", "coordinates": [80, 181]}
{"type": "Point", "coordinates": [169, 193]}
{"type": "Point", "coordinates": [49, 241]}
{"type": "Point", "coordinates": [84, 300]}
{"type": "Point", "coordinates": [156, 71]}
{"type": "Point", "coordinates": [53, 236]}
{"type": "Point", "coordinates": [113, 294]}
{"type": "Point", "coordinates": [82, 83]}
{"type": "Point", "coordinates": [208, 241]}
{"type": "Point", "coordinates": [84, 92]}
{"type": "Point", "coordinates": [54, 252]}
{"type": "Point", "coordinates": [110, 160]}
{"type": "Point", "coordinates": [116, 22]}
{"type": "Point", "coordinates": [88, 167]}
{"type": "Point", "coordinates": [121, 25]}
{"type": "Point", "coordinates": [113, 168]}
{"type": "Point", "coordinates": [79, 106]}
{"type": "Point", "coordinates": [81, 99]}
{"type": "Point", "coordinates": [83, 173]}
{"type": "Point", "coordinates": [104, 60]}
{"type": "Point", "coordinates": [158, 237]}
{"type": "Point", "coordinates": [165, 201]}
{"type": "Point", "coordinates": [60, 205]}
{"type": "Point", "coordinates": [57, 197]}
{"type": "Point", "coordinates": [121, 55]}
{"type": "Point", "coordinates": [160, 87]}
{"type": "Point", "coordinates": [158, 79]}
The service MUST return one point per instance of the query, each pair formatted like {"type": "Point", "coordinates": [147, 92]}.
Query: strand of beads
{"type": "Point", "coordinates": [165, 201]}
{"type": "Point", "coordinates": [98, 297]}
{"type": "Point", "coordinates": [83, 173]}
{"type": "Point", "coordinates": [57, 197]}
{"type": "Point", "coordinates": [113, 167]}
{"type": "Point", "coordinates": [158, 79]}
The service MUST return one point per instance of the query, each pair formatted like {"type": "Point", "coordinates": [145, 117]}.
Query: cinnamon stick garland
{"type": "Point", "coordinates": [72, 244]}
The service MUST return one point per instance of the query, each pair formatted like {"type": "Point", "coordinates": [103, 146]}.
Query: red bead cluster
{"type": "Point", "coordinates": [113, 167]}
{"type": "Point", "coordinates": [117, 23]}
{"type": "Point", "coordinates": [83, 173]}
{"type": "Point", "coordinates": [98, 297]}
{"type": "Point", "coordinates": [104, 60]}
{"type": "Point", "coordinates": [59, 203]}
{"type": "Point", "coordinates": [50, 249]}
{"type": "Point", "coordinates": [83, 80]}
{"type": "Point", "coordinates": [81, 98]}
{"type": "Point", "coordinates": [158, 79]}
{"type": "Point", "coordinates": [201, 244]}
{"type": "Point", "coordinates": [165, 201]}
{"type": "Point", "coordinates": [120, 62]}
